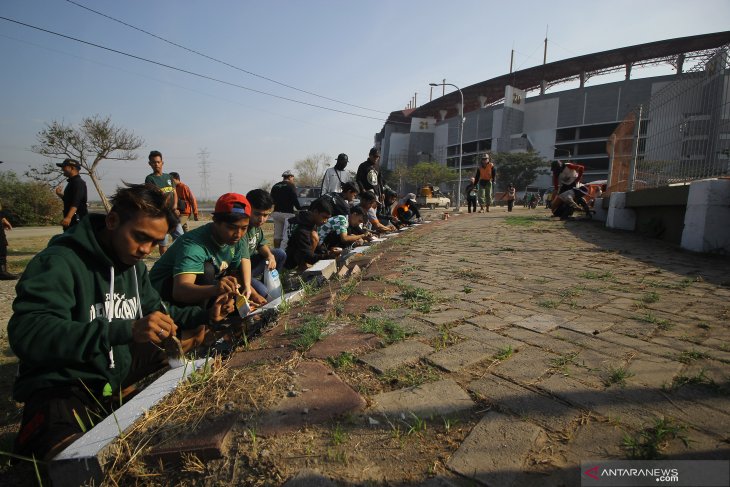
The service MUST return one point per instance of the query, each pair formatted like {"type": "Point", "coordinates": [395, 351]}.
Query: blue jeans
{"type": "Point", "coordinates": [258, 264]}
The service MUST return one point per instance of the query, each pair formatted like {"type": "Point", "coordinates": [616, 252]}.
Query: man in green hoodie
{"type": "Point", "coordinates": [87, 322]}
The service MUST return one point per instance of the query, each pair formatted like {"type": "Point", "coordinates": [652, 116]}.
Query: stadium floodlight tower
{"type": "Point", "coordinates": [461, 140]}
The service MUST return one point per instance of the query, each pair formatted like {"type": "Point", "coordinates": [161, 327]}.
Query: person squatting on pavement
{"type": "Point", "coordinates": [87, 324]}
{"type": "Point", "coordinates": [407, 210]}
{"type": "Point", "coordinates": [303, 247]}
{"type": "Point", "coordinates": [211, 260]}
{"type": "Point", "coordinates": [165, 183]}
{"type": "Point", "coordinates": [284, 194]}
{"type": "Point", "coordinates": [485, 178]}
{"type": "Point", "coordinates": [74, 195]}
{"type": "Point", "coordinates": [186, 202]}
{"type": "Point", "coordinates": [335, 177]}
{"type": "Point", "coordinates": [260, 253]}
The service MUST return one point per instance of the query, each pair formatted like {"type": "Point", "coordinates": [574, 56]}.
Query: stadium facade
{"type": "Point", "coordinates": [517, 112]}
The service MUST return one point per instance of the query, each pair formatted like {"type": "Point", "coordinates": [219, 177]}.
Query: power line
{"type": "Point", "coordinates": [218, 60]}
{"type": "Point", "coordinates": [204, 172]}
{"type": "Point", "coordinates": [192, 73]}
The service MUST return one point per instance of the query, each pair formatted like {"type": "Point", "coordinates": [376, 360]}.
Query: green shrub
{"type": "Point", "coordinates": [28, 202]}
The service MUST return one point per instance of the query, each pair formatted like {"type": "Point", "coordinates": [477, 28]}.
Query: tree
{"type": "Point", "coordinates": [28, 202]}
{"type": "Point", "coordinates": [395, 177]}
{"type": "Point", "coordinates": [310, 171]}
{"type": "Point", "coordinates": [518, 168]}
{"type": "Point", "coordinates": [94, 140]}
{"type": "Point", "coordinates": [430, 173]}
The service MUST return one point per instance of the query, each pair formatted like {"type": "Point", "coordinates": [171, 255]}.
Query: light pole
{"type": "Point", "coordinates": [461, 140]}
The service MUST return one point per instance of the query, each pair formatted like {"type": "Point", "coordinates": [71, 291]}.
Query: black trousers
{"type": "Point", "coordinates": [471, 203]}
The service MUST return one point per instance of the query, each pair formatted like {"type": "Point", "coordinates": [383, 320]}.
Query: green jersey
{"type": "Point", "coordinates": [255, 238]}
{"type": "Point", "coordinates": [190, 253]}
{"type": "Point", "coordinates": [164, 182]}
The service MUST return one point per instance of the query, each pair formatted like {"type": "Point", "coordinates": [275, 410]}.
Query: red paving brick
{"type": "Point", "coordinates": [243, 358]}
{"type": "Point", "coordinates": [322, 397]}
{"type": "Point", "coordinates": [206, 442]}
{"type": "Point", "coordinates": [348, 339]}
{"type": "Point", "coordinates": [358, 304]}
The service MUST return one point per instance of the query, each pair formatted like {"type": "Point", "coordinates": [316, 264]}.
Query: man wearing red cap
{"type": "Point", "coordinates": [210, 260]}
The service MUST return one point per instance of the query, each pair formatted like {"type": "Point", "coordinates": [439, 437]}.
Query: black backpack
{"type": "Point", "coordinates": [339, 204]}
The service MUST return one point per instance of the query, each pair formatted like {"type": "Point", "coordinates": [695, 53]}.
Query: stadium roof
{"type": "Point", "coordinates": [667, 51]}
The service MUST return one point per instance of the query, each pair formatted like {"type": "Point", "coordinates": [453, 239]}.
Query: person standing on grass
{"type": "Point", "coordinates": [471, 195]}
{"type": "Point", "coordinates": [284, 194]}
{"type": "Point", "coordinates": [87, 324]}
{"type": "Point", "coordinates": [335, 177]}
{"type": "Point", "coordinates": [167, 186]}
{"type": "Point", "coordinates": [484, 178]}
{"type": "Point", "coordinates": [511, 195]}
{"type": "Point", "coordinates": [4, 225]}
{"type": "Point", "coordinates": [74, 196]}
{"type": "Point", "coordinates": [369, 177]}
{"type": "Point", "coordinates": [186, 202]}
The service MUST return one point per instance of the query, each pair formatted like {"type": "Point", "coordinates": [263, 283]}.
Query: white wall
{"type": "Point", "coordinates": [398, 149]}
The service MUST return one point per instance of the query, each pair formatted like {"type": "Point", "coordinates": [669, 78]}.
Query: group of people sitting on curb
{"type": "Point", "coordinates": [90, 321]}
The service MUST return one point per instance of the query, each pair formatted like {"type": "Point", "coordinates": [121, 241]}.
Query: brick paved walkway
{"type": "Point", "coordinates": [565, 340]}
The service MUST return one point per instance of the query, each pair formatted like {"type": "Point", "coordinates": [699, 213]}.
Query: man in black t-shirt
{"type": "Point", "coordinates": [74, 196]}
{"type": "Point", "coordinates": [369, 177]}
{"type": "Point", "coordinates": [284, 194]}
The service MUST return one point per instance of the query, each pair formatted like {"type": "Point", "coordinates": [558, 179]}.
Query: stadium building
{"type": "Point", "coordinates": [524, 110]}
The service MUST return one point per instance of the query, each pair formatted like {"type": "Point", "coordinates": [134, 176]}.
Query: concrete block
{"type": "Point", "coordinates": [601, 213]}
{"type": "Point", "coordinates": [706, 220]}
{"type": "Point", "coordinates": [82, 461]}
{"type": "Point", "coordinates": [619, 216]}
{"type": "Point", "coordinates": [324, 268]}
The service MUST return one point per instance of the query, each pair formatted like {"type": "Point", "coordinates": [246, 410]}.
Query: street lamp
{"type": "Point", "coordinates": [461, 141]}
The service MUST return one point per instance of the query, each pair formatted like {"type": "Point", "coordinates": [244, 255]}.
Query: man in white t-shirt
{"type": "Point", "coordinates": [335, 177]}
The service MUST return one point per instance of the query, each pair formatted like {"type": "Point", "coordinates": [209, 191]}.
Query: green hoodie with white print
{"type": "Point", "coordinates": [73, 314]}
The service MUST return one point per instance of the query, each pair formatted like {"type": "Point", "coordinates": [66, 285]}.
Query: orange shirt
{"type": "Point", "coordinates": [485, 173]}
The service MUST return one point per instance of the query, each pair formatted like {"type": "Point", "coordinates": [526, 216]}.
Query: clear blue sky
{"type": "Point", "coordinates": [373, 53]}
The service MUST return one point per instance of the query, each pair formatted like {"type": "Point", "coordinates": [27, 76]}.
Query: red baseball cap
{"type": "Point", "coordinates": [233, 203]}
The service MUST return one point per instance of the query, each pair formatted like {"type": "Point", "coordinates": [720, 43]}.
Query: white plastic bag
{"type": "Point", "coordinates": [272, 283]}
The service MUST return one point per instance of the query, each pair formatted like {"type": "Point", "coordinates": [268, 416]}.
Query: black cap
{"type": "Point", "coordinates": [374, 152]}
{"type": "Point", "coordinates": [69, 162]}
{"type": "Point", "coordinates": [342, 157]}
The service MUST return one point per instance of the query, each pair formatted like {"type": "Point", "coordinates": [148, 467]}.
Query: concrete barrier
{"type": "Point", "coordinates": [619, 216]}
{"type": "Point", "coordinates": [707, 219]}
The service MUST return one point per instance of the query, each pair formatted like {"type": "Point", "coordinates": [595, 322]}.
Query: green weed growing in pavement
{"type": "Point", "coordinates": [467, 290]}
{"type": "Point", "coordinates": [504, 353]}
{"type": "Point", "coordinates": [562, 362]}
{"type": "Point", "coordinates": [571, 292]}
{"type": "Point", "coordinates": [449, 423]}
{"type": "Point", "coordinates": [338, 435]}
{"type": "Point", "coordinates": [520, 221]}
{"type": "Point", "coordinates": [375, 308]}
{"type": "Point", "coordinates": [388, 330]}
{"type": "Point", "coordinates": [409, 376]}
{"type": "Point", "coordinates": [650, 297]}
{"type": "Point", "coordinates": [344, 360]}
{"type": "Point", "coordinates": [689, 356]}
{"type": "Point", "coordinates": [469, 274]}
{"type": "Point", "coordinates": [309, 333]}
{"type": "Point", "coordinates": [418, 425]}
{"type": "Point", "coordinates": [548, 303]}
{"type": "Point", "coordinates": [603, 275]}
{"type": "Point", "coordinates": [444, 338]}
{"type": "Point", "coordinates": [651, 441]}
{"type": "Point", "coordinates": [617, 376]}
{"type": "Point", "coordinates": [349, 287]}
{"type": "Point", "coordinates": [700, 378]}
{"type": "Point", "coordinates": [703, 325]}
{"type": "Point", "coordinates": [662, 324]}
{"type": "Point", "coordinates": [254, 442]}
{"type": "Point", "coordinates": [418, 298]}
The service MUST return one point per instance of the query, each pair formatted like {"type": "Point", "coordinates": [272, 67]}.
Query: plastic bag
{"type": "Point", "coordinates": [273, 284]}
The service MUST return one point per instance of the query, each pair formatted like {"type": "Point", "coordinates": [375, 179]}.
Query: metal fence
{"type": "Point", "coordinates": [680, 135]}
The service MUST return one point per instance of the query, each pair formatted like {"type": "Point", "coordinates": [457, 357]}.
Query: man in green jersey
{"type": "Point", "coordinates": [166, 184]}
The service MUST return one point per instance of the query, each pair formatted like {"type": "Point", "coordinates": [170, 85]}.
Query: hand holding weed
{"type": "Point", "coordinates": [227, 285]}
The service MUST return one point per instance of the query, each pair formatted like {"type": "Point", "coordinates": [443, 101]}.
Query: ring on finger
{"type": "Point", "coordinates": [161, 333]}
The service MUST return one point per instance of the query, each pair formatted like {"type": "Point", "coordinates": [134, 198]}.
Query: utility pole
{"type": "Point", "coordinates": [204, 173]}
{"type": "Point", "coordinates": [230, 182]}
